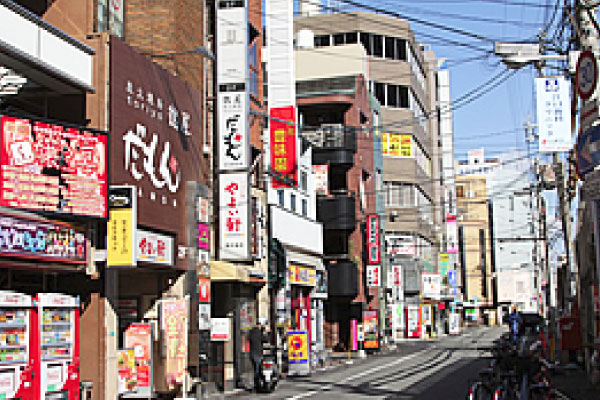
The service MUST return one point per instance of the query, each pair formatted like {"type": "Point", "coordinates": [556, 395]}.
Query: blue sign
{"type": "Point", "coordinates": [452, 278]}
{"type": "Point", "coordinates": [588, 150]}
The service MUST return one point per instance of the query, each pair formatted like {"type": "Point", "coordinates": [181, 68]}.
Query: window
{"type": "Point", "coordinates": [322, 40]}
{"type": "Point", "coordinates": [303, 181]}
{"type": "Point", "coordinates": [304, 207]}
{"type": "Point", "coordinates": [351, 37]}
{"type": "Point", "coordinates": [378, 45]}
{"type": "Point", "coordinates": [401, 49]}
{"type": "Point", "coordinates": [365, 40]}
{"type": "Point", "coordinates": [280, 197]}
{"type": "Point", "coordinates": [390, 48]}
{"type": "Point", "coordinates": [293, 202]}
{"type": "Point", "coordinates": [338, 39]}
{"type": "Point", "coordinates": [403, 96]}
{"type": "Point", "coordinates": [392, 95]}
{"type": "Point", "coordinates": [460, 191]}
{"type": "Point", "coordinates": [380, 92]}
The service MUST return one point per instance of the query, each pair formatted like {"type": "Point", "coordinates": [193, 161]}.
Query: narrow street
{"type": "Point", "coordinates": [429, 370]}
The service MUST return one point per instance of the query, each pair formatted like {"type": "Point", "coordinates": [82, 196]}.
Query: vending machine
{"type": "Point", "coordinates": [55, 346]}
{"type": "Point", "coordinates": [413, 322]}
{"type": "Point", "coordinates": [16, 369]}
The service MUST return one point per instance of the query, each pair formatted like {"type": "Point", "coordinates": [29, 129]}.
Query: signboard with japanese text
{"type": "Point", "coordinates": [138, 337]}
{"type": "Point", "coordinates": [554, 114]}
{"type": "Point", "coordinates": [174, 325]}
{"type": "Point", "coordinates": [370, 326]}
{"type": "Point", "coordinates": [234, 229]}
{"type": "Point", "coordinates": [373, 275]}
{"type": "Point", "coordinates": [203, 289]}
{"type": "Point", "coordinates": [156, 136]}
{"type": "Point", "coordinates": [397, 283]}
{"type": "Point", "coordinates": [220, 329]}
{"type": "Point", "coordinates": [321, 174]}
{"type": "Point", "coordinates": [232, 42]}
{"type": "Point", "coordinates": [203, 210]}
{"type": "Point", "coordinates": [432, 285]}
{"type": "Point", "coordinates": [40, 240]}
{"type": "Point", "coordinates": [451, 234]}
{"type": "Point", "coordinates": [126, 377]}
{"type": "Point", "coordinates": [301, 275]}
{"type": "Point", "coordinates": [203, 236]}
{"type": "Point", "coordinates": [297, 347]}
{"type": "Point", "coordinates": [400, 245]}
{"type": "Point", "coordinates": [121, 227]}
{"type": "Point", "coordinates": [234, 143]}
{"type": "Point", "coordinates": [154, 247]}
{"type": "Point", "coordinates": [373, 240]}
{"type": "Point", "coordinates": [52, 168]}
{"type": "Point", "coordinates": [397, 145]}
{"type": "Point", "coordinates": [284, 160]}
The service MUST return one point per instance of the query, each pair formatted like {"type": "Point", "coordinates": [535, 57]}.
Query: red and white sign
{"type": "Point", "coordinates": [432, 285]}
{"type": "Point", "coordinates": [203, 289]}
{"type": "Point", "coordinates": [219, 329]}
{"type": "Point", "coordinates": [234, 243]}
{"type": "Point", "coordinates": [234, 144]}
{"type": "Point", "coordinates": [154, 248]}
{"type": "Point", "coordinates": [321, 174]}
{"type": "Point", "coordinates": [49, 167]}
{"type": "Point", "coordinates": [174, 323]}
{"type": "Point", "coordinates": [284, 161]}
{"type": "Point", "coordinates": [586, 74]}
{"type": "Point", "coordinates": [373, 240]}
{"type": "Point", "coordinates": [139, 338]}
{"type": "Point", "coordinates": [373, 275]}
{"type": "Point", "coordinates": [400, 245]}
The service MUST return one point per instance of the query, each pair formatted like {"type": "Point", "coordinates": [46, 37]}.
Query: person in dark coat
{"type": "Point", "coordinates": [256, 339]}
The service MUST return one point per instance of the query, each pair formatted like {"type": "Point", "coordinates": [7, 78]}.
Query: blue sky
{"type": "Point", "coordinates": [495, 120]}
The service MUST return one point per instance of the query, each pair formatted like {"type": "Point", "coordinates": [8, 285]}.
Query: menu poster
{"type": "Point", "coordinates": [174, 324]}
{"type": "Point", "coordinates": [126, 371]}
{"type": "Point", "coordinates": [139, 338]}
{"type": "Point", "coordinates": [52, 168]}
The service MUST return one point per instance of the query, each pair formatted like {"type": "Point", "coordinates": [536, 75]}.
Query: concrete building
{"type": "Point", "coordinates": [400, 80]}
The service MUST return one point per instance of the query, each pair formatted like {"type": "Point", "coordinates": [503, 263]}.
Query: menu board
{"type": "Point", "coordinates": [52, 168]}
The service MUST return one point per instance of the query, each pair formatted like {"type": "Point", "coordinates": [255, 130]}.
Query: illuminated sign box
{"type": "Point", "coordinates": [52, 168]}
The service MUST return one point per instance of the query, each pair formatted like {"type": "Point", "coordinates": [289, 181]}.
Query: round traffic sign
{"type": "Point", "coordinates": [586, 74]}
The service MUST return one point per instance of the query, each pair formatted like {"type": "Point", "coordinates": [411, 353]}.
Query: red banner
{"type": "Point", "coordinates": [139, 338]}
{"type": "Point", "coordinates": [283, 146]}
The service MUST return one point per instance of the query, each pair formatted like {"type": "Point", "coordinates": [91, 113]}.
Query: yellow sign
{"type": "Point", "coordinates": [297, 347]}
{"type": "Point", "coordinates": [120, 231]}
{"type": "Point", "coordinates": [444, 257]}
{"type": "Point", "coordinates": [397, 145]}
{"type": "Point", "coordinates": [301, 275]}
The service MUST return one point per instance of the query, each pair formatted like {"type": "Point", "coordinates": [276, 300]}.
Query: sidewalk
{"type": "Point", "coordinates": [574, 384]}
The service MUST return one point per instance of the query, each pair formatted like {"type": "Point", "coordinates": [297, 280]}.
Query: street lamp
{"type": "Point", "coordinates": [203, 51]}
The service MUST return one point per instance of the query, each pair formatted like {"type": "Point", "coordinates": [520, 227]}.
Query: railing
{"type": "Point", "coordinates": [331, 136]}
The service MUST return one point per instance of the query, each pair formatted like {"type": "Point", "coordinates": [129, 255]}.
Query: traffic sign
{"type": "Point", "coordinates": [586, 74]}
{"type": "Point", "coordinates": [589, 115]}
{"type": "Point", "coordinates": [588, 150]}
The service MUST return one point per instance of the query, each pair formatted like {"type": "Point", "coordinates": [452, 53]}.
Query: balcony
{"type": "Point", "coordinates": [337, 211]}
{"type": "Point", "coordinates": [333, 144]}
{"type": "Point", "coordinates": [342, 280]}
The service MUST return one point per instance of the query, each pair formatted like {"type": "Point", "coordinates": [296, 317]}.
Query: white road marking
{"type": "Point", "coordinates": [360, 375]}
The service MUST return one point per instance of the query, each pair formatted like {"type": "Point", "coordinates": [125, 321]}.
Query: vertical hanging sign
{"type": "Point", "coordinates": [284, 161]}
{"type": "Point", "coordinates": [373, 239]}
{"type": "Point", "coordinates": [233, 136]}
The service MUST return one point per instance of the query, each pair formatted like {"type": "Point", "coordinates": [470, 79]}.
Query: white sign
{"type": "Point", "coordinates": [397, 321]}
{"type": "Point", "coordinates": [232, 42]}
{"type": "Point", "coordinates": [398, 283]}
{"type": "Point", "coordinates": [432, 285]}
{"type": "Point", "coordinates": [554, 114]}
{"type": "Point", "coordinates": [454, 323]}
{"type": "Point", "coordinates": [426, 314]}
{"type": "Point", "coordinates": [373, 275]}
{"type": "Point", "coordinates": [233, 131]}
{"type": "Point", "coordinates": [204, 320]}
{"type": "Point", "coordinates": [219, 329]}
{"type": "Point", "coordinates": [360, 333]}
{"type": "Point", "coordinates": [233, 217]}
{"type": "Point", "coordinates": [7, 383]}
{"type": "Point", "coordinates": [400, 245]}
{"type": "Point", "coordinates": [154, 247]}
{"type": "Point", "coordinates": [280, 41]}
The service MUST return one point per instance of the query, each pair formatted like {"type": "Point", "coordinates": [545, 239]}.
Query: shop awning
{"type": "Point", "coordinates": [223, 271]}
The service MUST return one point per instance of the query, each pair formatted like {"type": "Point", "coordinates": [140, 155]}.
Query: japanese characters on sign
{"type": "Point", "coordinates": [138, 337]}
{"type": "Point", "coordinates": [156, 131]}
{"type": "Point", "coordinates": [301, 275]}
{"type": "Point", "coordinates": [400, 245]}
{"type": "Point", "coordinates": [373, 240]}
{"type": "Point", "coordinates": [397, 145]}
{"type": "Point", "coordinates": [284, 160]}
{"type": "Point", "coordinates": [432, 285]}
{"type": "Point", "coordinates": [554, 114]}
{"type": "Point", "coordinates": [203, 236]}
{"type": "Point", "coordinates": [373, 275]}
{"type": "Point", "coordinates": [174, 323]}
{"type": "Point", "coordinates": [20, 237]}
{"type": "Point", "coordinates": [220, 329]}
{"type": "Point", "coordinates": [121, 226]}
{"type": "Point", "coordinates": [234, 144]}
{"type": "Point", "coordinates": [371, 332]}
{"type": "Point", "coordinates": [297, 347]}
{"type": "Point", "coordinates": [233, 216]}
{"type": "Point", "coordinates": [48, 167]}
{"type": "Point", "coordinates": [203, 210]}
{"type": "Point", "coordinates": [232, 42]}
{"type": "Point", "coordinates": [154, 247]}
{"type": "Point", "coordinates": [321, 173]}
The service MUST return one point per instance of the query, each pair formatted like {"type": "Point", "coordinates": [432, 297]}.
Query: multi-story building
{"type": "Point", "coordinates": [398, 77]}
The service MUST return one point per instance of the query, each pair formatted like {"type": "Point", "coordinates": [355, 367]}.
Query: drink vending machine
{"type": "Point", "coordinates": [413, 322]}
{"type": "Point", "coordinates": [16, 364]}
{"type": "Point", "coordinates": [55, 346]}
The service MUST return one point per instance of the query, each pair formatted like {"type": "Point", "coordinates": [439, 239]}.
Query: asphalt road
{"type": "Point", "coordinates": [429, 370]}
